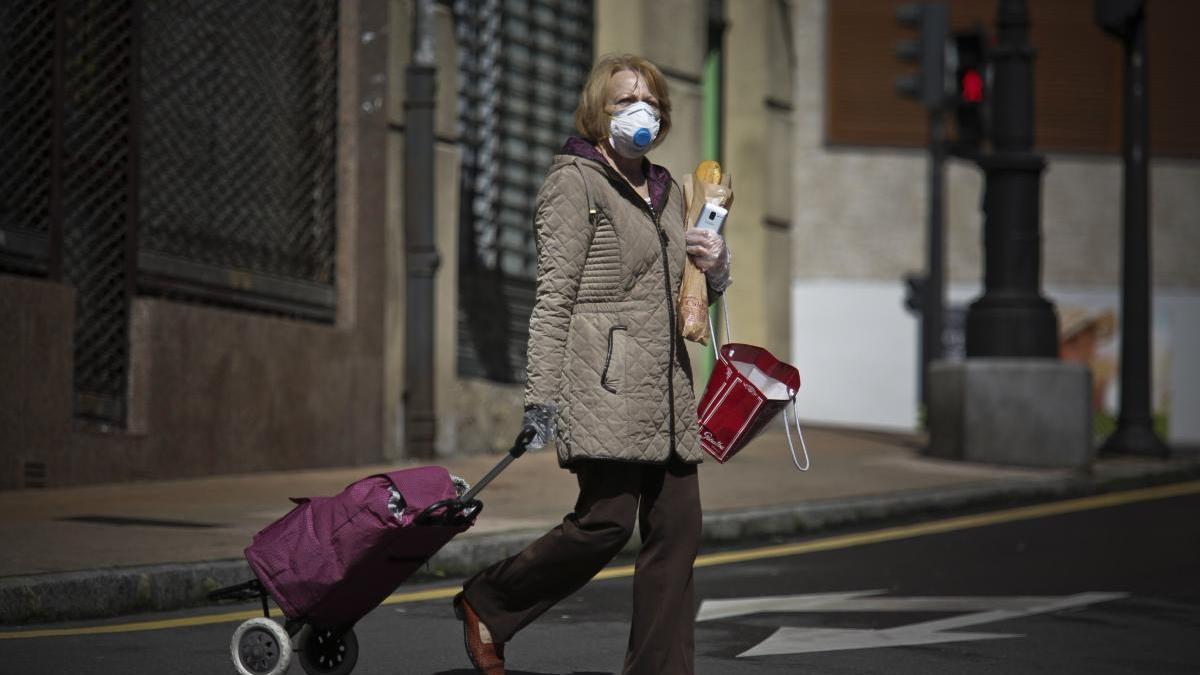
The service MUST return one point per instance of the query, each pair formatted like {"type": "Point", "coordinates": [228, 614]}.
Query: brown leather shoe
{"type": "Point", "coordinates": [487, 657]}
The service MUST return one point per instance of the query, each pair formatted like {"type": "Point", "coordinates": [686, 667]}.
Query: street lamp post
{"type": "Point", "coordinates": [1012, 400]}
{"type": "Point", "coordinates": [1012, 319]}
{"type": "Point", "coordinates": [1126, 20]}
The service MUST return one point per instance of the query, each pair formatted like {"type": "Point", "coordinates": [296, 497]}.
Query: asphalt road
{"type": "Point", "coordinates": [1111, 589]}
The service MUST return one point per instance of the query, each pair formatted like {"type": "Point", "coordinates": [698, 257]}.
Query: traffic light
{"type": "Point", "coordinates": [914, 292]}
{"type": "Point", "coordinates": [969, 61]}
{"type": "Point", "coordinates": [932, 23]}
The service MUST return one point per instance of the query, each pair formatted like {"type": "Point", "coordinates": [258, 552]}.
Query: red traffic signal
{"type": "Point", "coordinates": [971, 85]}
{"type": "Point", "coordinates": [969, 58]}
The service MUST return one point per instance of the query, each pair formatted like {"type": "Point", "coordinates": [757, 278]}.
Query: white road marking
{"type": "Point", "coordinates": [983, 609]}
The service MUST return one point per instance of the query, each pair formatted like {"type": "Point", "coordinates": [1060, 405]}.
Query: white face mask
{"type": "Point", "coordinates": [632, 131]}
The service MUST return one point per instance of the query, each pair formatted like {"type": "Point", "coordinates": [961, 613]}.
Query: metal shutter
{"type": "Point", "coordinates": [522, 64]}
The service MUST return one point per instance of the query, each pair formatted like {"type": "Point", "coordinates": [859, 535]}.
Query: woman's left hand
{"type": "Point", "coordinates": [707, 248]}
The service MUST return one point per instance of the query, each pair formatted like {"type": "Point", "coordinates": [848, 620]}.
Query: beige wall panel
{"type": "Point", "coordinates": [446, 55]}
{"type": "Point", "coordinates": [779, 48]}
{"type": "Point", "coordinates": [394, 303]}
{"type": "Point", "coordinates": [1082, 218]}
{"type": "Point", "coordinates": [399, 36]}
{"type": "Point", "coordinates": [675, 34]}
{"type": "Point", "coordinates": [488, 415]}
{"type": "Point", "coordinates": [808, 90]}
{"type": "Point", "coordinates": [618, 27]}
{"type": "Point", "coordinates": [964, 221]}
{"type": "Point", "coordinates": [1175, 212]}
{"type": "Point", "coordinates": [862, 215]}
{"type": "Point", "coordinates": [449, 162]}
{"type": "Point", "coordinates": [1081, 215]}
{"type": "Point", "coordinates": [641, 27]}
{"type": "Point", "coordinates": [746, 147]}
{"type": "Point", "coordinates": [777, 259]}
{"type": "Point", "coordinates": [779, 166]}
{"type": "Point", "coordinates": [681, 152]}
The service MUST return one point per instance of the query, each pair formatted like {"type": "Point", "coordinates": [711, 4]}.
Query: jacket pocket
{"type": "Point", "coordinates": [613, 377]}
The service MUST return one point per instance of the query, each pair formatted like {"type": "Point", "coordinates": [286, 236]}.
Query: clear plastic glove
{"type": "Point", "coordinates": [541, 419]}
{"type": "Point", "coordinates": [710, 254]}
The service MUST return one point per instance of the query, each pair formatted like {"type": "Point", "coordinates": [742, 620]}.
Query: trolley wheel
{"type": "Point", "coordinates": [261, 647]}
{"type": "Point", "coordinates": [326, 651]}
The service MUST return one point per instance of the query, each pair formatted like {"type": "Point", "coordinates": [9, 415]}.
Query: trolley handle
{"type": "Point", "coordinates": [519, 447]}
{"type": "Point", "coordinates": [466, 507]}
{"type": "Point", "coordinates": [452, 511]}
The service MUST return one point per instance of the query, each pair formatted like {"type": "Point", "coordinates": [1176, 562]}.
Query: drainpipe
{"type": "Point", "coordinates": [422, 259]}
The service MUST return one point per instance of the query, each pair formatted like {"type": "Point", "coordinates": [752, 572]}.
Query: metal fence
{"type": "Point", "coordinates": [176, 147]}
{"type": "Point", "coordinates": [237, 184]}
{"type": "Point", "coordinates": [522, 64]}
{"type": "Point", "coordinates": [27, 96]}
{"type": "Point", "coordinates": [98, 207]}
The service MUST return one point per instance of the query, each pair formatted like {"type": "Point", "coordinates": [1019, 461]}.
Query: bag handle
{"type": "Point", "coordinates": [787, 427]}
{"type": "Point", "coordinates": [713, 331]}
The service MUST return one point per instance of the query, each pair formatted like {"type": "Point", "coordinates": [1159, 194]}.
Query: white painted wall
{"type": "Point", "coordinates": [857, 351]}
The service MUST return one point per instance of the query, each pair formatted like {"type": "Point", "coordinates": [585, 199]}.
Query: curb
{"type": "Point", "coordinates": [110, 592]}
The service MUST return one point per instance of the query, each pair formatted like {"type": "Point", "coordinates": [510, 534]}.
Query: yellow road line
{"type": "Point", "coordinates": [709, 560]}
{"type": "Point", "coordinates": [204, 620]}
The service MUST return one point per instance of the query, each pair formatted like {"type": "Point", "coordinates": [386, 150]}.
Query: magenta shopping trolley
{"type": "Point", "coordinates": [331, 560]}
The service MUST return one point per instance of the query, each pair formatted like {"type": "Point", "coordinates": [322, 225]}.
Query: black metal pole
{"type": "Point", "coordinates": [933, 303]}
{"type": "Point", "coordinates": [1012, 318]}
{"type": "Point", "coordinates": [422, 259]}
{"type": "Point", "coordinates": [1135, 426]}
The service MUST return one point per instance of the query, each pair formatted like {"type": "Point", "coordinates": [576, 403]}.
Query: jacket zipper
{"type": "Point", "coordinates": [662, 240]}
{"type": "Point", "coordinates": [671, 320]}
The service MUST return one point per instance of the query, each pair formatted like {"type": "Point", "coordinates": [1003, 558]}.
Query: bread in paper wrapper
{"type": "Point", "coordinates": [706, 184]}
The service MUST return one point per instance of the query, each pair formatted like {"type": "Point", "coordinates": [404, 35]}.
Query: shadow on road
{"type": "Point", "coordinates": [472, 671]}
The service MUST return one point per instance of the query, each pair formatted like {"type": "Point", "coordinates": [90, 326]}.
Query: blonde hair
{"type": "Point", "coordinates": [591, 120]}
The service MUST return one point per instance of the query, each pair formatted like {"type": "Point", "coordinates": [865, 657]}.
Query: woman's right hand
{"type": "Point", "coordinates": [707, 248]}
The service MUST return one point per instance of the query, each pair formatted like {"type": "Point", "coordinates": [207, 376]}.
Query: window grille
{"type": "Point", "coordinates": [27, 43]}
{"type": "Point", "coordinates": [98, 210]}
{"type": "Point", "coordinates": [176, 147]}
{"type": "Point", "coordinates": [238, 160]}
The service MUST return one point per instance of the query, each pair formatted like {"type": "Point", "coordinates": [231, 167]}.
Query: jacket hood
{"type": "Point", "coordinates": [658, 178]}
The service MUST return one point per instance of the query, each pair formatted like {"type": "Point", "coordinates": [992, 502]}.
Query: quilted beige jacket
{"type": "Point", "coordinates": [603, 344]}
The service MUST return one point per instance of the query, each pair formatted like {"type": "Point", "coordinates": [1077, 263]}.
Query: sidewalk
{"type": "Point", "coordinates": [98, 551]}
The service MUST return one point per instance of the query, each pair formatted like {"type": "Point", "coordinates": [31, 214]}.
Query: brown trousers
{"type": "Point", "coordinates": [515, 591]}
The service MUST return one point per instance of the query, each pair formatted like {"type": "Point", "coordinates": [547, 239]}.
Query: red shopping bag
{"type": "Point", "coordinates": [747, 389]}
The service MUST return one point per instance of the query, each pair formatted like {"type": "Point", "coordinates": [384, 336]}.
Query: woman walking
{"type": "Point", "coordinates": [608, 368]}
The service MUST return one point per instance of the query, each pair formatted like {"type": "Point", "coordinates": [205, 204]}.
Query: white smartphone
{"type": "Point", "coordinates": [712, 217]}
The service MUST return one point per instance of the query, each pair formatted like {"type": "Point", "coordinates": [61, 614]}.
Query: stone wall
{"type": "Point", "coordinates": [215, 390]}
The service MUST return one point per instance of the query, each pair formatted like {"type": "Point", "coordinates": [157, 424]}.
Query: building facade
{"type": "Point", "coordinates": [202, 267]}
{"type": "Point", "coordinates": [202, 234]}
{"type": "Point", "coordinates": [859, 203]}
